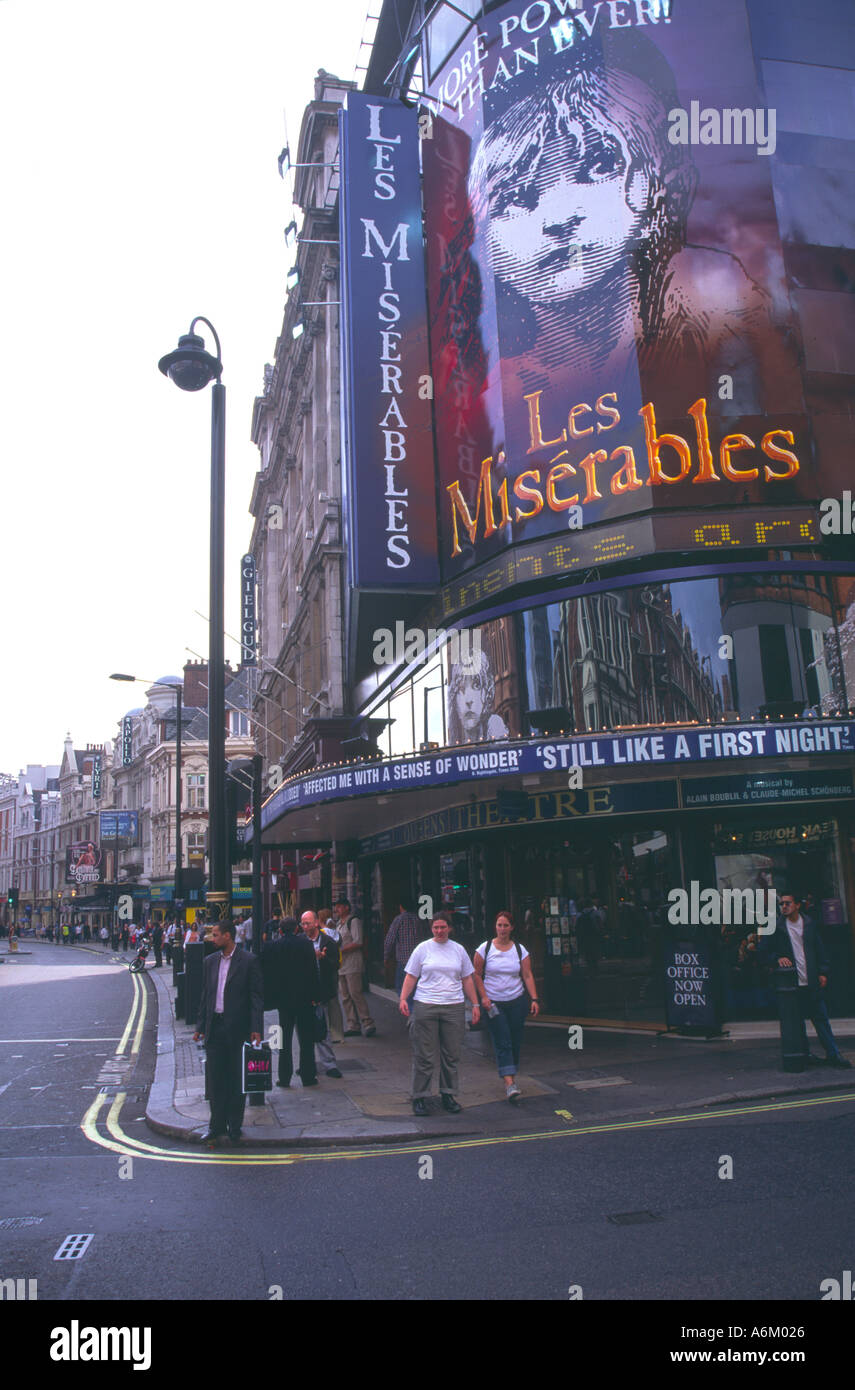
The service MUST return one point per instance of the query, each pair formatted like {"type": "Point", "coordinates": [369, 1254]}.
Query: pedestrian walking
{"type": "Point", "coordinates": [291, 986]}
{"type": "Point", "coordinates": [231, 1012]}
{"type": "Point", "coordinates": [402, 938]}
{"type": "Point", "coordinates": [126, 933]}
{"type": "Point", "coordinates": [508, 993]}
{"type": "Point", "coordinates": [327, 958]}
{"type": "Point", "coordinates": [157, 943]}
{"type": "Point", "coordinates": [105, 937]}
{"type": "Point", "coordinates": [796, 939]}
{"type": "Point", "coordinates": [271, 927]}
{"type": "Point", "coordinates": [357, 1016]}
{"type": "Point", "coordinates": [440, 973]}
{"type": "Point", "coordinates": [191, 936]}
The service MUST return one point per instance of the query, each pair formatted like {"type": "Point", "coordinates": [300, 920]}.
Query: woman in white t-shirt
{"type": "Point", "coordinates": [441, 973]}
{"type": "Point", "coordinates": [508, 993]}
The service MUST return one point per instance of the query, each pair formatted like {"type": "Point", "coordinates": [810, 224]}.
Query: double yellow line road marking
{"type": "Point", "coordinates": [117, 1141]}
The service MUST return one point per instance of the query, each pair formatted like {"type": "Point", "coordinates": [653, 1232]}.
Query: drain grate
{"type": "Point", "coordinates": [132, 1092]}
{"type": "Point", "coordinates": [73, 1247]}
{"type": "Point", "coordinates": [14, 1223]}
{"type": "Point", "coordinates": [633, 1218]}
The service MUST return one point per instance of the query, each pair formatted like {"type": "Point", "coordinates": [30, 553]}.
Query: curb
{"type": "Point", "coordinates": [162, 1117]}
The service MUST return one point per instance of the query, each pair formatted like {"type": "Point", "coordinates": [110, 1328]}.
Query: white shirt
{"type": "Point", "coordinates": [503, 975]}
{"type": "Point", "coordinates": [222, 976]}
{"type": "Point", "coordinates": [439, 969]}
{"type": "Point", "coordinates": [797, 937]}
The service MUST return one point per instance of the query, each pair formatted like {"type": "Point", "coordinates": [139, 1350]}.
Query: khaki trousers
{"type": "Point", "coordinates": [437, 1036]}
{"type": "Point", "coordinates": [353, 1001]}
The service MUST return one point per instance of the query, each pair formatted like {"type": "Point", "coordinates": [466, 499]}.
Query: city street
{"type": "Point", "coordinates": [533, 1216]}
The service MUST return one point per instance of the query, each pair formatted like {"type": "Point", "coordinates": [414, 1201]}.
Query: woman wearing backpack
{"type": "Point", "coordinates": [508, 994]}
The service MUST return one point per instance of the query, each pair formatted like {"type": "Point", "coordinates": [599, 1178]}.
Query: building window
{"type": "Point", "coordinates": [238, 724]}
{"type": "Point", "coordinates": [196, 791]}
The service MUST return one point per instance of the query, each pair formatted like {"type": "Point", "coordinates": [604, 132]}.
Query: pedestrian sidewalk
{"type": "Point", "coordinates": [613, 1075]}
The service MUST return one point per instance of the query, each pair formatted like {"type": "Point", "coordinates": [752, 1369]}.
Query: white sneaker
{"type": "Point", "coordinates": [513, 1092]}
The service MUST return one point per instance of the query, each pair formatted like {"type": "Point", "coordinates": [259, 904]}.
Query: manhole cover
{"type": "Point", "coordinates": [14, 1223]}
{"type": "Point", "coordinates": [74, 1246]}
{"type": "Point", "coordinates": [633, 1218]}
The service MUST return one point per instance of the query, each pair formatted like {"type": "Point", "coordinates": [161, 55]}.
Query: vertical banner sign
{"type": "Point", "coordinates": [247, 611]}
{"type": "Point", "coordinates": [96, 776]}
{"type": "Point", "coordinates": [127, 741]}
{"type": "Point", "coordinates": [389, 478]}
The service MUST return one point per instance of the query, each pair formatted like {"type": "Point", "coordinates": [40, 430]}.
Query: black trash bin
{"type": "Point", "coordinates": [794, 1045]}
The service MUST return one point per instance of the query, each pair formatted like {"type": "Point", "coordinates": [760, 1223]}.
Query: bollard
{"type": "Point", "coordinates": [177, 963]}
{"type": "Point", "coordinates": [794, 1047]}
{"type": "Point", "coordinates": [179, 995]}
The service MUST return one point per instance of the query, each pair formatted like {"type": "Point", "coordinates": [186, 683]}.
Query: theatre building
{"type": "Point", "coordinates": [587, 634]}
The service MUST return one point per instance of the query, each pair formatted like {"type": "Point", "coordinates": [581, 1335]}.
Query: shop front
{"type": "Point", "coordinates": [587, 869]}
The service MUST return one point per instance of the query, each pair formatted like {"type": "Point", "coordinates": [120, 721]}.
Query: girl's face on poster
{"type": "Point", "coordinates": [566, 227]}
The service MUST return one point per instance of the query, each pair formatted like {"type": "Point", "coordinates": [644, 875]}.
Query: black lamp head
{"type": "Point", "coordinates": [190, 366]}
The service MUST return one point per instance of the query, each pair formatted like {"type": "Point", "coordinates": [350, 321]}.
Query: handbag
{"type": "Point", "coordinates": [256, 1068]}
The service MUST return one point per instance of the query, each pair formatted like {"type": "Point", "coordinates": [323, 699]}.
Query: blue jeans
{"type": "Point", "coordinates": [400, 973]}
{"type": "Point", "coordinates": [813, 1007]}
{"type": "Point", "coordinates": [506, 1030]}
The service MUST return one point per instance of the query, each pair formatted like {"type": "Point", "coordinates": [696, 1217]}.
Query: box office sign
{"type": "Point", "coordinates": [389, 475]}
{"type": "Point", "coordinates": [537, 757]}
{"type": "Point", "coordinates": [691, 987]}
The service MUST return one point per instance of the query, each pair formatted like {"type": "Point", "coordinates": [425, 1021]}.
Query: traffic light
{"type": "Point", "coordinates": [12, 897]}
{"type": "Point", "coordinates": [238, 805]}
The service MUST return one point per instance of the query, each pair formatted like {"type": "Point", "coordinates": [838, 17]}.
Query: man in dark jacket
{"type": "Point", "coordinates": [328, 959]}
{"type": "Point", "coordinates": [291, 986]}
{"type": "Point", "coordinates": [796, 941]}
{"type": "Point", "coordinates": [231, 1012]}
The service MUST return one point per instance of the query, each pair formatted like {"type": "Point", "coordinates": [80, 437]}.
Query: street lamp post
{"type": "Point", "coordinates": [177, 690]}
{"type": "Point", "coordinates": [192, 368]}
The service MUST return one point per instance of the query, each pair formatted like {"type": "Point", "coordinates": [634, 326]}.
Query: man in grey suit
{"type": "Point", "coordinates": [231, 1012]}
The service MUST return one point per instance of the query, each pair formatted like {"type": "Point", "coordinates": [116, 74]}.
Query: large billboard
{"type": "Point", "coordinates": [610, 319]}
{"type": "Point", "coordinates": [84, 863]}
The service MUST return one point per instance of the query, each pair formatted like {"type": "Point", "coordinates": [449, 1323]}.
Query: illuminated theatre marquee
{"type": "Point", "coordinates": [617, 368]}
{"type": "Point", "coordinates": [532, 484]}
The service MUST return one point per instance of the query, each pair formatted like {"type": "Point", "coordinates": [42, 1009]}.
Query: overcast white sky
{"type": "Point", "coordinates": [139, 188]}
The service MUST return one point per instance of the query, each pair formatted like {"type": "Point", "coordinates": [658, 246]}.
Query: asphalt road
{"type": "Point", "coordinates": [505, 1220]}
